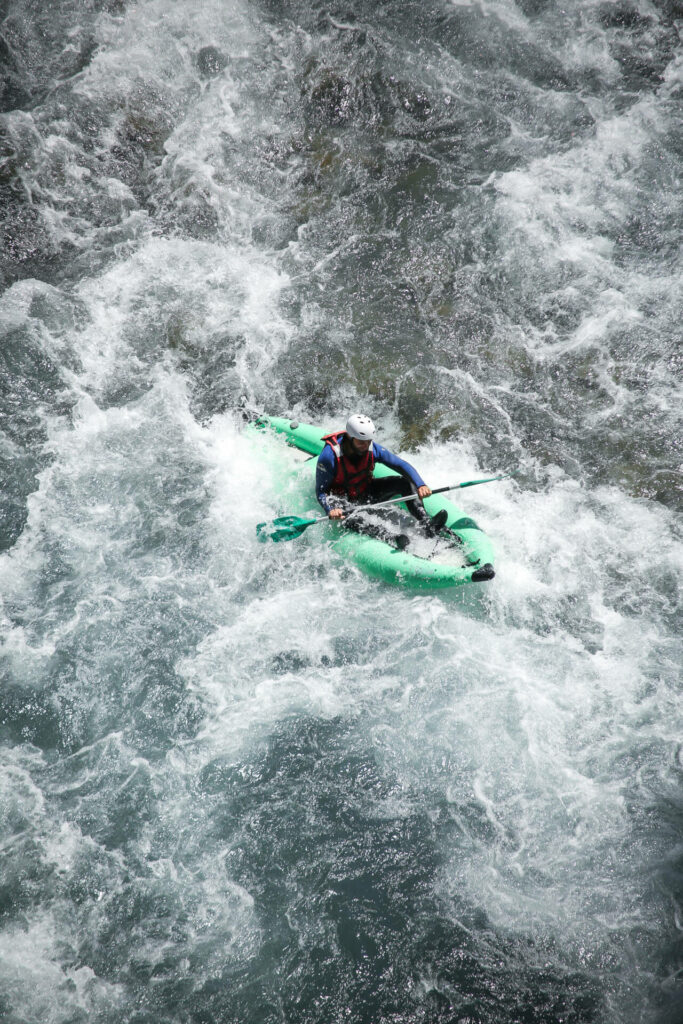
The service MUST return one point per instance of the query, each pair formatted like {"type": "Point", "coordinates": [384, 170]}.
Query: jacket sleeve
{"type": "Point", "coordinates": [324, 475]}
{"type": "Point", "coordinates": [388, 458]}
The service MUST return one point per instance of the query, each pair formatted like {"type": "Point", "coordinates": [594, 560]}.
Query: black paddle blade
{"type": "Point", "coordinates": [284, 528]}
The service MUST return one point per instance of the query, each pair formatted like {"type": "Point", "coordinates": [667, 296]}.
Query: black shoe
{"type": "Point", "coordinates": [401, 540]}
{"type": "Point", "coordinates": [436, 523]}
{"type": "Point", "coordinates": [440, 519]}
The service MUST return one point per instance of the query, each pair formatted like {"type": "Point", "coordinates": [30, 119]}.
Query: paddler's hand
{"type": "Point", "coordinates": [336, 513]}
{"type": "Point", "coordinates": [424, 491]}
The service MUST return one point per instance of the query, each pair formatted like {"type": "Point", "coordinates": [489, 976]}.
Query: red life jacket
{"type": "Point", "coordinates": [350, 478]}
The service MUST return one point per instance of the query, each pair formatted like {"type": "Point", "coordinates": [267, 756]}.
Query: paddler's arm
{"type": "Point", "coordinates": [388, 458]}
{"type": "Point", "coordinates": [324, 475]}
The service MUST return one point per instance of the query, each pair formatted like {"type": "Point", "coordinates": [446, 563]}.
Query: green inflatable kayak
{"type": "Point", "coordinates": [463, 554]}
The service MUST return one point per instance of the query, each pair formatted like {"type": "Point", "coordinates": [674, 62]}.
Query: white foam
{"type": "Point", "coordinates": [35, 983]}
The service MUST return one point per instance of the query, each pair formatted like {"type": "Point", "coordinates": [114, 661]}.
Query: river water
{"type": "Point", "coordinates": [245, 783]}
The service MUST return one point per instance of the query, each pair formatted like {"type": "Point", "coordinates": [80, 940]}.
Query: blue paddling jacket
{"type": "Point", "coordinates": [328, 464]}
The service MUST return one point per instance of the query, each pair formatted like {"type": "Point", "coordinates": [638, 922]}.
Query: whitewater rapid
{"type": "Point", "coordinates": [245, 782]}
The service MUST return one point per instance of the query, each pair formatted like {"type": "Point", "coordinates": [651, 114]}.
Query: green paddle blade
{"type": "Point", "coordinates": [284, 528]}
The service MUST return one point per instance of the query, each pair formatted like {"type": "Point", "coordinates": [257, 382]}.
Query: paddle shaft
{"type": "Point", "coordinates": [414, 497]}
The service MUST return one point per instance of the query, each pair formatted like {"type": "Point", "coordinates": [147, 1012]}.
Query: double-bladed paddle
{"type": "Point", "coordinates": [290, 527]}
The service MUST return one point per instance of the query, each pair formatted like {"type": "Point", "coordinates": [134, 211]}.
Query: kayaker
{"type": "Point", "coordinates": [344, 477]}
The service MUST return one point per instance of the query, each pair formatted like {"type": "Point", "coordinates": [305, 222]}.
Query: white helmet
{"type": "Point", "coordinates": [360, 426]}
